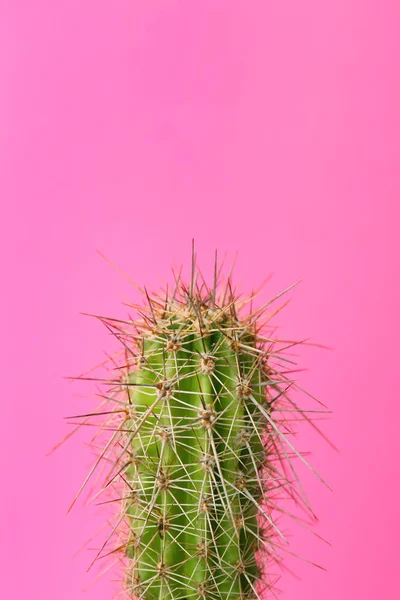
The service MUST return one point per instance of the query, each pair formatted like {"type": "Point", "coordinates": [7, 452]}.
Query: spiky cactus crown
{"type": "Point", "coordinates": [198, 451]}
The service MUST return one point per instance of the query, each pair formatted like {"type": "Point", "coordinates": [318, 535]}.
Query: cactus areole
{"type": "Point", "coordinates": [199, 450]}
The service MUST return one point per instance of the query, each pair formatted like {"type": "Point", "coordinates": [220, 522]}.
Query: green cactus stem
{"type": "Point", "coordinates": [199, 449]}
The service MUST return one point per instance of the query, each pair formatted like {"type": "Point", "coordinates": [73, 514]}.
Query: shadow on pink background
{"type": "Point", "coordinates": [271, 128]}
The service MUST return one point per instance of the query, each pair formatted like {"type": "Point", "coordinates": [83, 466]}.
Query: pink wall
{"type": "Point", "coordinates": [271, 128]}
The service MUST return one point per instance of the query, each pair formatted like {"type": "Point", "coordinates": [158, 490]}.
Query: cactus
{"type": "Point", "coordinates": [198, 452]}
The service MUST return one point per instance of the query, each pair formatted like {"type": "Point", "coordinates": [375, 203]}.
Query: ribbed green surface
{"type": "Point", "coordinates": [196, 451]}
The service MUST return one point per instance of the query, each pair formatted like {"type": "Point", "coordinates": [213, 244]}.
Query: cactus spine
{"type": "Point", "coordinates": [199, 447]}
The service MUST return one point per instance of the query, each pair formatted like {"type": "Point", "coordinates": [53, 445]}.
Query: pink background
{"type": "Point", "coordinates": [271, 128]}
